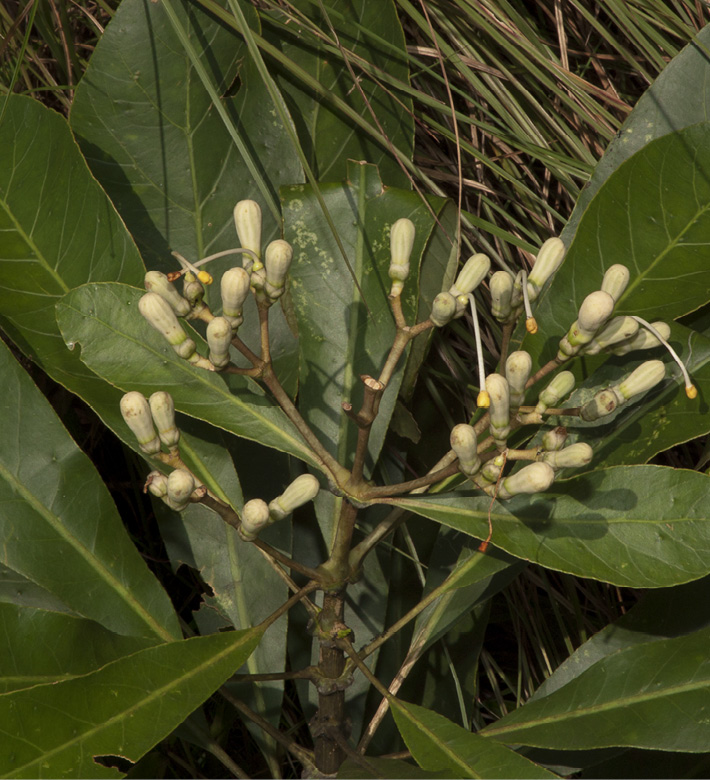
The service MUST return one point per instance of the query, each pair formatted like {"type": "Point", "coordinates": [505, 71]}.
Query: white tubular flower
{"type": "Point", "coordinates": [277, 260]}
{"type": "Point", "coordinates": [501, 286]}
{"type": "Point", "coordinates": [161, 316]}
{"type": "Point", "coordinates": [247, 220]}
{"type": "Point", "coordinates": [303, 489]}
{"type": "Point", "coordinates": [535, 478]}
{"type": "Point", "coordinates": [162, 408]}
{"type": "Point", "coordinates": [555, 439]}
{"type": "Point", "coordinates": [548, 260]}
{"type": "Point", "coordinates": [499, 394]}
{"type": "Point", "coordinates": [443, 309]}
{"type": "Point", "coordinates": [517, 371]}
{"type": "Point", "coordinates": [464, 443]}
{"type": "Point", "coordinates": [180, 486]}
{"type": "Point", "coordinates": [593, 313]}
{"type": "Point", "coordinates": [255, 516]}
{"type": "Point", "coordinates": [157, 483]}
{"type": "Point", "coordinates": [572, 457]}
{"type": "Point", "coordinates": [470, 276]}
{"type": "Point", "coordinates": [136, 412]}
{"type": "Point", "coordinates": [234, 288]}
{"type": "Point", "coordinates": [619, 329]}
{"type": "Point", "coordinates": [646, 376]}
{"type": "Point", "coordinates": [560, 387]}
{"type": "Point", "coordinates": [219, 337]}
{"type": "Point", "coordinates": [643, 339]}
{"type": "Point", "coordinates": [158, 283]}
{"type": "Point", "coordinates": [615, 280]}
{"type": "Point", "coordinates": [401, 243]}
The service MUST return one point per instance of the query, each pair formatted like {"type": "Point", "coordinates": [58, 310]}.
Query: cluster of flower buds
{"type": "Point", "coordinates": [175, 490]}
{"type": "Point", "coordinates": [453, 303]}
{"type": "Point", "coordinates": [257, 514]}
{"type": "Point", "coordinates": [143, 416]}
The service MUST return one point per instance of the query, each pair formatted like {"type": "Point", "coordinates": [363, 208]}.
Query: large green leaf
{"type": "Point", "coordinates": [120, 346]}
{"type": "Point", "coordinates": [652, 696]}
{"type": "Point", "coordinates": [39, 647]}
{"type": "Point", "coordinates": [124, 708]}
{"type": "Point", "coordinates": [438, 744]}
{"type": "Point", "coordinates": [641, 526]}
{"type": "Point", "coordinates": [387, 768]}
{"type": "Point", "coordinates": [60, 527]}
{"type": "Point", "coordinates": [651, 215]}
{"type": "Point", "coordinates": [371, 31]}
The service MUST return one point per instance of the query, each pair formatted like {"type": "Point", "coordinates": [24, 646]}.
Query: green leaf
{"type": "Point", "coordinates": [60, 527]}
{"type": "Point", "coordinates": [387, 768]}
{"type": "Point", "coordinates": [651, 215]}
{"type": "Point", "coordinates": [371, 31]}
{"type": "Point", "coordinates": [640, 526]}
{"type": "Point", "coordinates": [438, 744]}
{"type": "Point", "coordinates": [121, 347]}
{"type": "Point", "coordinates": [123, 709]}
{"type": "Point", "coordinates": [651, 696]}
{"type": "Point", "coordinates": [18, 590]}
{"type": "Point", "coordinates": [38, 647]}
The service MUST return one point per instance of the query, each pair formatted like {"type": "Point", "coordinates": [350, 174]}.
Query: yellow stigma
{"type": "Point", "coordinates": [484, 400]}
{"type": "Point", "coordinates": [691, 391]}
{"type": "Point", "coordinates": [204, 277]}
{"type": "Point", "coordinates": [531, 325]}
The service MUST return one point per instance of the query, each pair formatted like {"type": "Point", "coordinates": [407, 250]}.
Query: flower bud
{"type": "Point", "coordinates": [158, 283]}
{"type": "Point", "coordinates": [234, 289]}
{"type": "Point", "coordinates": [644, 339]}
{"type": "Point", "coordinates": [162, 408]}
{"type": "Point", "coordinates": [534, 478]}
{"type": "Point", "coordinates": [157, 483]}
{"type": "Point", "coordinates": [443, 309]}
{"type": "Point", "coordinates": [277, 260]}
{"type": "Point", "coordinates": [136, 413]}
{"type": "Point", "coordinates": [572, 457]}
{"type": "Point", "coordinates": [501, 286]}
{"type": "Point", "coordinates": [499, 411]}
{"type": "Point", "coordinates": [489, 473]}
{"type": "Point", "coordinates": [560, 387]}
{"type": "Point", "coordinates": [255, 516]}
{"type": "Point", "coordinates": [303, 489]}
{"type": "Point", "coordinates": [619, 329]}
{"type": "Point", "coordinates": [180, 486]}
{"type": "Point", "coordinates": [548, 260]}
{"type": "Point", "coordinates": [593, 313]}
{"type": "Point", "coordinates": [193, 290]}
{"type": "Point", "coordinates": [615, 280]}
{"type": "Point", "coordinates": [517, 371]}
{"type": "Point", "coordinates": [247, 220]}
{"type": "Point", "coordinates": [516, 297]}
{"type": "Point", "coordinates": [465, 444]}
{"type": "Point", "coordinates": [471, 275]}
{"type": "Point", "coordinates": [603, 403]}
{"type": "Point", "coordinates": [401, 243]}
{"type": "Point", "coordinates": [160, 315]}
{"type": "Point", "coordinates": [646, 376]}
{"type": "Point", "coordinates": [555, 439]}
{"type": "Point", "coordinates": [219, 338]}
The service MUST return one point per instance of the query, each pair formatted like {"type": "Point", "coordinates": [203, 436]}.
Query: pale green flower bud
{"type": "Point", "coordinates": [162, 408]}
{"type": "Point", "coordinates": [619, 329]}
{"type": "Point", "coordinates": [517, 371]}
{"type": "Point", "coordinates": [303, 489]}
{"type": "Point", "coordinates": [560, 387]}
{"type": "Point", "coordinates": [646, 376]}
{"type": "Point", "coordinates": [255, 516]}
{"type": "Point", "coordinates": [219, 338]}
{"type": "Point", "coordinates": [615, 280]}
{"type": "Point", "coordinates": [548, 260]}
{"type": "Point", "coordinates": [555, 439]}
{"type": "Point", "coordinates": [644, 339]}
{"type": "Point", "coordinates": [247, 220]}
{"type": "Point", "coordinates": [136, 412]}
{"type": "Point", "coordinates": [161, 316]}
{"type": "Point", "coordinates": [465, 444]}
{"type": "Point", "coordinates": [158, 283]}
{"type": "Point", "coordinates": [572, 457]}
{"type": "Point", "coordinates": [193, 290]}
{"type": "Point", "coordinates": [157, 483]}
{"type": "Point", "coordinates": [277, 260]}
{"type": "Point", "coordinates": [535, 478]}
{"type": "Point", "coordinates": [501, 286]}
{"type": "Point", "coordinates": [401, 243]}
{"type": "Point", "coordinates": [443, 309]}
{"type": "Point", "coordinates": [499, 411]}
{"type": "Point", "coordinates": [603, 403]}
{"type": "Point", "coordinates": [593, 313]}
{"type": "Point", "coordinates": [471, 275]}
{"type": "Point", "coordinates": [180, 486]}
{"type": "Point", "coordinates": [234, 288]}
{"type": "Point", "coordinates": [489, 473]}
{"type": "Point", "coordinates": [517, 296]}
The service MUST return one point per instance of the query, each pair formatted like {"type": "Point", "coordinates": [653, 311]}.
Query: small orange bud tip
{"type": "Point", "coordinates": [174, 276]}
{"type": "Point", "coordinates": [531, 325]}
{"type": "Point", "coordinates": [484, 400]}
{"type": "Point", "coordinates": [691, 391]}
{"type": "Point", "coordinates": [205, 278]}
{"type": "Point", "coordinates": [482, 547]}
